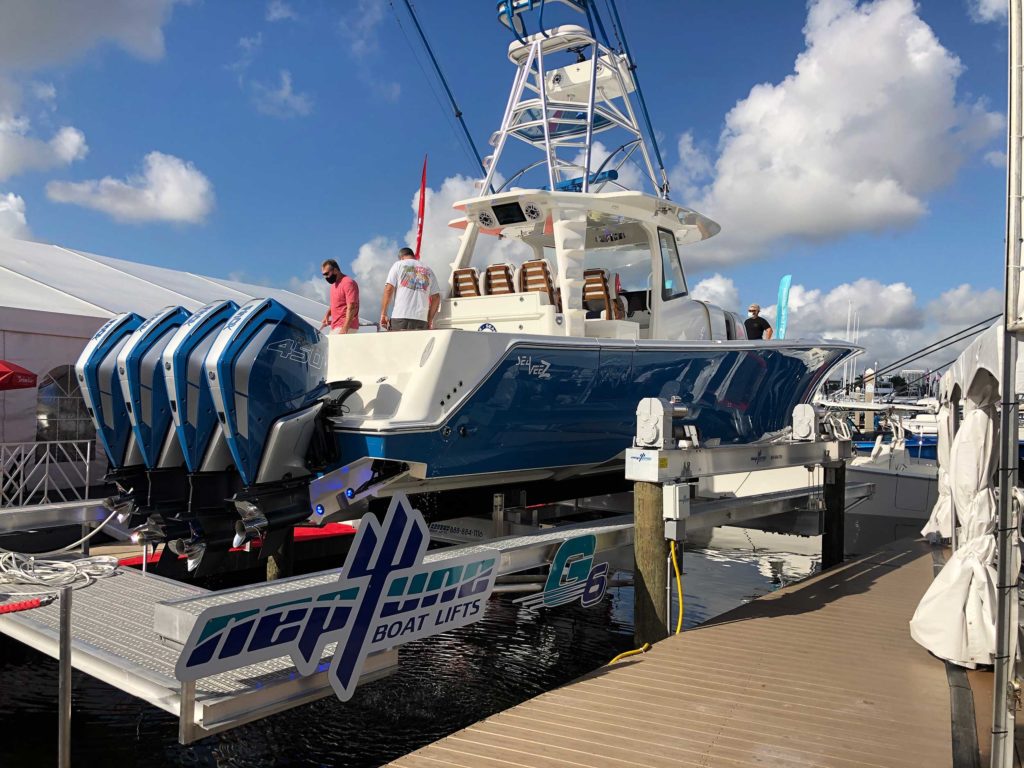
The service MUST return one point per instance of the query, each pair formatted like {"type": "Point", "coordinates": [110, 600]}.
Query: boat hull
{"type": "Point", "coordinates": [558, 408]}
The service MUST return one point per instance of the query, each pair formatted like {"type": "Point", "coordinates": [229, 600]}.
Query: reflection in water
{"type": "Point", "coordinates": [445, 683]}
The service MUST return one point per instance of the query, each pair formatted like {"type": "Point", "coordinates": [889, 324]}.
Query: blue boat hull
{"type": "Point", "coordinates": [578, 408]}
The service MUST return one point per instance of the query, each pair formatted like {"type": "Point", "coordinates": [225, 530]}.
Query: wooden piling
{"type": "Point", "coordinates": [650, 550]}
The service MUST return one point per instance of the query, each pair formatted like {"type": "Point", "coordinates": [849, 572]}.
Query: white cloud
{"type": "Point", "coordinates": [20, 152]}
{"type": "Point", "coordinates": [987, 10]}
{"type": "Point", "coordinates": [630, 176]}
{"type": "Point", "coordinates": [694, 169]}
{"type": "Point", "coordinates": [45, 92]}
{"type": "Point", "coordinates": [370, 267]}
{"type": "Point", "coordinates": [964, 305]}
{"type": "Point", "coordinates": [892, 321]}
{"type": "Point", "coordinates": [359, 29]}
{"type": "Point", "coordinates": [718, 290]}
{"type": "Point", "coordinates": [248, 48]}
{"type": "Point", "coordinates": [278, 10]}
{"type": "Point", "coordinates": [12, 217]}
{"type": "Point", "coordinates": [38, 33]}
{"type": "Point", "coordinates": [866, 126]}
{"type": "Point", "coordinates": [169, 189]}
{"type": "Point", "coordinates": [889, 306]}
{"type": "Point", "coordinates": [281, 101]}
{"type": "Point", "coordinates": [440, 242]}
{"type": "Point", "coordinates": [311, 287]}
{"type": "Point", "coordinates": [996, 158]}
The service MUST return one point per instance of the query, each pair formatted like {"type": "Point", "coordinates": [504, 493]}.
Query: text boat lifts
{"type": "Point", "coordinates": [237, 423]}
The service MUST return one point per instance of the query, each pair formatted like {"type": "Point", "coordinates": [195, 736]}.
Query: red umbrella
{"type": "Point", "coordinates": [15, 377]}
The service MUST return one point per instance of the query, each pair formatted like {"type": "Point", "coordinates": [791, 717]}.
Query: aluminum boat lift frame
{"type": "Point", "coordinates": [128, 629]}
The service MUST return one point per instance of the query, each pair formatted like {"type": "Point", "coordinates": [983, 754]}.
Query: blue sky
{"type": "Point", "coordinates": [289, 132]}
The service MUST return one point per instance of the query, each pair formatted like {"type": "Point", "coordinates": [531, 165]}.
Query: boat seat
{"type": "Point", "coordinates": [497, 280]}
{"type": "Point", "coordinates": [535, 276]}
{"type": "Point", "coordinates": [598, 296]}
{"type": "Point", "coordinates": [465, 283]}
{"type": "Point", "coordinates": [618, 310]}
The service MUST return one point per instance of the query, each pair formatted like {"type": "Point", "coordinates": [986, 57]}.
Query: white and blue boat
{"type": "Point", "coordinates": [530, 377]}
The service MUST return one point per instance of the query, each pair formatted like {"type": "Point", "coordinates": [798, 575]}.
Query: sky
{"type": "Point", "coordinates": [859, 147]}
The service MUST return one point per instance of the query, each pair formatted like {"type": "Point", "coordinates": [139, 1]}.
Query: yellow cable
{"type": "Point", "coordinates": [642, 649]}
{"type": "Point", "coordinates": [679, 587]}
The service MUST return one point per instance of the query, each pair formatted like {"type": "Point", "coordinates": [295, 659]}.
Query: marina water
{"type": "Point", "coordinates": [444, 683]}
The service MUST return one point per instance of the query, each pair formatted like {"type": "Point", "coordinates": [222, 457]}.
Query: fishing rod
{"type": "Point", "coordinates": [444, 83]}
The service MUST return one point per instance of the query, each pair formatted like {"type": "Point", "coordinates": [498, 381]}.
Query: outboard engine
{"type": "Point", "coordinates": [145, 390]}
{"type": "Point", "coordinates": [188, 390]}
{"type": "Point", "coordinates": [207, 515]}
{"type": "Point", "coordinates": [100, 382]}
{"type": "Point", "coordinates": [266, 372]}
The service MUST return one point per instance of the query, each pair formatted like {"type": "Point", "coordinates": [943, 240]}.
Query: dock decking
{"type": "Point", "coordinates": [821, 673]}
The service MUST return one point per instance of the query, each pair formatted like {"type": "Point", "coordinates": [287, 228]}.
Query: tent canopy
{"type": "Point", "coordinates": [50, 278]}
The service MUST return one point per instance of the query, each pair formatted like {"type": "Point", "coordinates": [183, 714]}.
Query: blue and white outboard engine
{"type": "Point", "coordinates": [144, 394]}
{"type": "Point", "coordinates": [100, 382]}
{"type": "Point", "coordinates": [266, 372]}
{"type": "Point", "coordinates": [188, 389]}
{"type": "Point", "coordinates": [213, 478]}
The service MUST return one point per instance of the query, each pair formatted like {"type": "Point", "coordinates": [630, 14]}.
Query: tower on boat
{"type": "Point", "coordinates": [531, 374]}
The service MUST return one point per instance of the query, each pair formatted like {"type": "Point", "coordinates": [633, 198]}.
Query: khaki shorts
{"type": "Point", "coordinates": [406, 324]}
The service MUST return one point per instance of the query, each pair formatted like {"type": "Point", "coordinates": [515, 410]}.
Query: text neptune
{"type": "Point", "coordinates": [385, 596]}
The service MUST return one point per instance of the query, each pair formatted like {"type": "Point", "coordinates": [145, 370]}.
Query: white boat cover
{"type": "Point", "coordinates": [956, 618]}
{"type": "Point", "coordinates": [940, 524]}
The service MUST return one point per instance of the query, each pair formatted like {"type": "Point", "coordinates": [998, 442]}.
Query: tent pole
{"type": "Point", "coordinates": [1005, 684]}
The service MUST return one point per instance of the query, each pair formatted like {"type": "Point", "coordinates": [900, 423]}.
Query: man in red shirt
{"type": "Point", "coordinates": [343, 307]}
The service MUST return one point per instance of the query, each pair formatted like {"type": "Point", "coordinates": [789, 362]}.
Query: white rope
{"type": "Point", "coordinates": [50, 575]}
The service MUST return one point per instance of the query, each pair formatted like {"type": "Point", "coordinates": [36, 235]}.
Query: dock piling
{"type": "Point", "coordinates": [650, 550]}
{"type": "Point", "coordinates": [834, 515]}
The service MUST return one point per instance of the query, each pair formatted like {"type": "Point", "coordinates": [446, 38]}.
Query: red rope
{"type": "Point", "coordinates": [25, 605]}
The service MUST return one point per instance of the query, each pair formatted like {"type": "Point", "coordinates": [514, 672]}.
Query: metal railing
{"type": "Point", "coordinates": [45, 472]}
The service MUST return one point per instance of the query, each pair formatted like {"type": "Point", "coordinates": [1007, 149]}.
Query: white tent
{"type": "Point", "coordinates": [956, 618]}
{"type": "Point", "coordinates": [52, 299]}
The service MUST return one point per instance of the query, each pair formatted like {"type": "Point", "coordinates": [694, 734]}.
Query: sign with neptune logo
{"type": "Point", "coordinates": [573, 576]}
{"type": "Point", "coordinates": [385, 596]}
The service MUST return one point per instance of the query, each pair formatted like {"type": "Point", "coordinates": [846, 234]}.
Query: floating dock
{"type": "Point", "coordinates": [821, 673]}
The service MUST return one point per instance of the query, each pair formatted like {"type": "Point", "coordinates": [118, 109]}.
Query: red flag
{"type": "Point", "coordinates": [423, 203]}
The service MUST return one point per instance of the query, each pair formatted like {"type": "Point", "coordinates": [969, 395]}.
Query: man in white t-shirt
{"type": "Point", "coordinates": [417, 295]}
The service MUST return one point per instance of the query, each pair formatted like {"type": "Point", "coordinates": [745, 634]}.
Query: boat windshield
{"type": "Point", "coordinates": [632, 264]}
{"type": "Point", "coordinates": [623, 248]}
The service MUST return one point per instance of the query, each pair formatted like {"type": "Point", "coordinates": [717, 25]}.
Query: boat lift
{"type": "Point", "coordinates": [127, 630]}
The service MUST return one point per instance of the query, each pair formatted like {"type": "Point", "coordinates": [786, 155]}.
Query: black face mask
{"type": "Point", "coordinates": [331, 279]}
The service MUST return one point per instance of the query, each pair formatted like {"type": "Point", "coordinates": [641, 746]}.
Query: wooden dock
{"type": "Point", "coordinates": [821, 673]}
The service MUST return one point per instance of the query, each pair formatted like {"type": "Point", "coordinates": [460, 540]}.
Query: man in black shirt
{"type": "Point", "coordinates": [757, 327]}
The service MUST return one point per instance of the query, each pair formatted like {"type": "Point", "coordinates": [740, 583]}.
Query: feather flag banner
{"type": "Point", "coordinates": [782, 313]}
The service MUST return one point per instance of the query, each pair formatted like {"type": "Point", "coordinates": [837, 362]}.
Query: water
{"type": "Point", "coordinates": [445, 683]}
